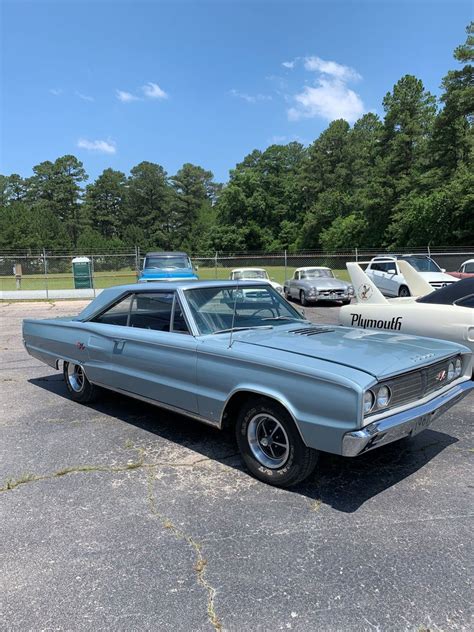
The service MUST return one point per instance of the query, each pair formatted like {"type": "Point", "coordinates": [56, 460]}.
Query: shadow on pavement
{"type": "Point", "coordinates": [342, 483]}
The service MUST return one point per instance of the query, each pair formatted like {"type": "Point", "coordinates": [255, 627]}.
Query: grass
{"type": "Point", "coordinates": [107, 279]}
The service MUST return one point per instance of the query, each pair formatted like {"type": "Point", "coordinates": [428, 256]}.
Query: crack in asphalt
{"type": "Point", "coordinates": [201, 561]}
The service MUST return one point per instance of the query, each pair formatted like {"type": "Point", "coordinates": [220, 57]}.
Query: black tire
{"type": "Point", "coordinates": [286, 294]}
{"type": "Point", "coordinates": [346, 302]}
{"type": "Point", "coordinates": [289, 465]}
{"type": "Point", "coordinates": [79, 387]}
{"type": "Point", "coordinates": [303, 299]}
{"type": "Point", "coordinates": [403, 291]}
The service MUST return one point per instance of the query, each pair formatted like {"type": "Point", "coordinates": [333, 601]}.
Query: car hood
{"type": "Point", "coordinates": [378, 353]}
{"type": "Point", "coordinates": [326, 283]}
{"type": "Point", "coordinates": [437, 277]}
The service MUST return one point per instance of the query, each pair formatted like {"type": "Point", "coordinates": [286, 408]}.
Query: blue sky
{"type": "Point", "coordinates": [118, 82]}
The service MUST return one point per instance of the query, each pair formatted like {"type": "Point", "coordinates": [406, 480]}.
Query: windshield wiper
{"type": "Point", "coordinates": [286, 318]}
{"type": "Point", "coordinates": [227, 331]}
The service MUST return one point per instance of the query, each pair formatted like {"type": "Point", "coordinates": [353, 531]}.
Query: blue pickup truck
{"type": "Point", "coordinates": [167, 266]}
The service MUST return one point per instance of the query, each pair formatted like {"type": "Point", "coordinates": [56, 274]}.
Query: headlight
{"type": "Point", "coordinates": [450, 371]}
{"type": "Point", "coordinates": [369, 401]}
{"type": "Point", "coordinates": [350, 290]}
{"type": "Point", "coordinates": [383, 397]}
{"type": "Point", "coordinates": [457, 367]}
{"type": "Point", "coordinates": [313, 290]}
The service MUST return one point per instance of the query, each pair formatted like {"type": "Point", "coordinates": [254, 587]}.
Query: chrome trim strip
{"type": "Point", "coordinates": [155, 402]}
{"type": "Point", "coordinates": [402, 424]}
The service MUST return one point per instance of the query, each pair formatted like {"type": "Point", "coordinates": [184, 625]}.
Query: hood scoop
{"type": "Point", "coordinates": [310, 331]}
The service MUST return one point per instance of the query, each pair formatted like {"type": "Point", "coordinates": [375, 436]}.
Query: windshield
{"type": "Point", "coordinates": [316, 274]}
{"type": "Point", "coordinates": [166, 263]}
{"type": "Point", "coordinates": [422, 264]}
{"type": "Point", "coordinates": [213, 308]}
{"type": "Point", "coordinates": [250, 274]}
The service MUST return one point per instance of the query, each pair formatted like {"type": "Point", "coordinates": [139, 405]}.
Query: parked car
{"type": "Point", "coordinates": [447, 313]}
{"type": "Point", "coordinates": [466, 270]}
{"type": "Point", "coordinates": [288, 388]}
{"type": "Point", "coordinates": [255, 274]}
{"type": "Point", "coordinates": [385, 273]}
{"type": "Point", "coordinates": [312, 284]}
{"type": "Point", "coordinates": [167, 266]}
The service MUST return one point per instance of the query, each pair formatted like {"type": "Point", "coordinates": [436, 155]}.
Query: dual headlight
{"type": "Point", "coordinates": [377, 399]}
{"type": "Point", "coordinates": [350, 290]}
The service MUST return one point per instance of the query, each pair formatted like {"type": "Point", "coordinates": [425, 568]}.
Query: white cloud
{"type": "Point", "coordinates": [153, 91]}
{"type": "Point", "coordinates": [56, 91]}
{"type": "Point", "coordinates": [329, 96]}
{"type": "Point", "coordinates": [84, 97]}
{"type": "Point", "coordinates": [125, 97]}
{"type": "Point", "coordinates": [101, 146]}
{"type": "Point", "coordinates": [331, 68]}
{"type": "Point", "coordinates": [250, 98]}
{"type": "Point", "coordinates": [330, 99]}
{"type": "Point", "coordinates": [289, 64]}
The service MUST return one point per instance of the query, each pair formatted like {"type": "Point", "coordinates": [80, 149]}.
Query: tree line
{"type": "Point", "coordinates": [404, 180]}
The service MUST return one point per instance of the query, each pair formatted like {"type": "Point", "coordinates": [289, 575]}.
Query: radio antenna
{"type": "Point", "coordinates": [233, 315]}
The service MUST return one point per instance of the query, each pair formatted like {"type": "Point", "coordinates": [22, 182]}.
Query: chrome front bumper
{"type": "Point", "coordinates": [404, 424]}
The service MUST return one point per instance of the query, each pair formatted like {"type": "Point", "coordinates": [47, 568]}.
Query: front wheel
{"type": "Point", "coordinates": [271, 446]}
{"type": "Point", "coordinates": [303, 299]}
{"type": "Point", "coordinates": [403, 291]}
{"type": "Point", "coordinates": [348, 302]}
{"type": "Point", "coordinates": [286, 294]}
{"type": "Point", "coordinates": [79, 387]}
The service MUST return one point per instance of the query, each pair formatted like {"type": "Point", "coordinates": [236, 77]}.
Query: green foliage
{"type": "Point", "coordinates": [406, 180]}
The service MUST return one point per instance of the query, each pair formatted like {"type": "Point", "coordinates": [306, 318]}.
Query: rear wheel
{"type": "Point", "coordinates": [403, 291]}
{"type": "Point", "coordinates": [303, 299]}
{"type": "Point", "coordinates": [271, 446]}
{"type": "Point", "coordinates": [79, 387]}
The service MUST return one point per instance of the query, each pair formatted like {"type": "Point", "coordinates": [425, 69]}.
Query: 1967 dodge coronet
{"type": "Point", "coordinates": [238, 354]}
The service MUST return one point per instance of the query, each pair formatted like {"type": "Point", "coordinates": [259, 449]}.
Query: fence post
{"type": "Point", "coordinates": [286, 266]}
{"type": "Point", "coordinates": [137, 261]}
{"type": "Point", "coordinates": [357, 255]}
{"type": "Point", "coordinates": [92, 274]}
{"type": "Point", "coordinates": [45, 274]}
{"type": "Point", "coordinates": [429, 251]}
{"type": "Point", "coordinates": [215, 265]}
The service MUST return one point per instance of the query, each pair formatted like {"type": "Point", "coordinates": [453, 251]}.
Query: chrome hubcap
{"type": "Point", "coordinates": [268, 441]}
{"type": "Point", "coordinates": [75, 376]}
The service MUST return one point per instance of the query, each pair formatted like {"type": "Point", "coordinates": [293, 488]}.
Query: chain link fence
{"type": "Point", "coordinates": [49, 272]}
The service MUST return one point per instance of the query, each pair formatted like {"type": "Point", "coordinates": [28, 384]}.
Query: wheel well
{"type": "Point", "coordinates": [235, 403]}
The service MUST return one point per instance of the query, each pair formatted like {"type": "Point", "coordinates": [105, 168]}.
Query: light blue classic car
{"type": "Point", "coordinates": [238, 354]}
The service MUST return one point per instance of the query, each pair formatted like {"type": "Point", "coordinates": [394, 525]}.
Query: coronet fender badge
{"type": "Point", "coordinates": [81, 346]}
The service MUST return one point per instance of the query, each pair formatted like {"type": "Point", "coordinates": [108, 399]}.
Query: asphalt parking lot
{"type": "Point", "coordinates": [122, 516]}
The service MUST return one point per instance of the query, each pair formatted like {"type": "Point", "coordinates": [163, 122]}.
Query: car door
{"type": "Point", "coordinates": [152, 356]}
{"type": "Point", "coordinates": [392, 278]}
{"type": "Point", "coordinates": [375, 272]}
{"type": "Point", "coordinates": [294, 293]}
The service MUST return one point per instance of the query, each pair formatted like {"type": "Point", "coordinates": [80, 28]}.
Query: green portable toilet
{"type": "Point", "coordinates": [82, 272]}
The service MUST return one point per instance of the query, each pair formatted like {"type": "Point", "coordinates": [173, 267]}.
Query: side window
{"type": "Point", "coordinates": [179, 322]}
{"type": "Point", "coordinates": [468, 301]}
{"type": "Point", "coordinates": [297, 276]}
{"type": "Point", "coordinates": [117, 314]}
{"type": "Point", "coordinates": [152, 311]}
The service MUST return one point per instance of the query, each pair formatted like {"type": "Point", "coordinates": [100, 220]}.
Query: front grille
{"type": "Point", "coordinates": [417, 384]}
{"type": "Point", "coordinates": [439, 284]}
{"type": "Point", "coordinates": [332, 292]}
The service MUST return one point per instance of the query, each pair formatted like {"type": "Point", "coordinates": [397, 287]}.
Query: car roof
{"type": "Point", "coordinates": [467, 261]}
{"type": "Point", "coordinates": [112, 294]}
{"type": "Point", "coordinates": [166, 254]}
{"type": "Point", "coordinates": [240, 269]}
{"type": "Point", "coordinates": [450, 293]}
{"type": "Point", "coordinates": [312, 268]}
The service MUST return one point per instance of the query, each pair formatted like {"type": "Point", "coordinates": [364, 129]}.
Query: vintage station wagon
{"type": "Point", "coordinates": [238, 354]}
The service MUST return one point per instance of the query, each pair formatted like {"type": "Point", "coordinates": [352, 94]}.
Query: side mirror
{"type": "Point", "coordinates": [443, 269]}
{"type": "Point", "coordinates": [392, 271]}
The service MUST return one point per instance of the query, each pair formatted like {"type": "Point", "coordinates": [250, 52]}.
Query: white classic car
{"type": "Point", "coordinates": [447, 313]}
{"type": "Point", "coordinates": [386, 274]}
{"type": "Point", "coordinates": [254, 274]}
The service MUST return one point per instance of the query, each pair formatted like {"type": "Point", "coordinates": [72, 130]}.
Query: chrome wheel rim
{"type": "Point", "coordinates": [268, 441]}
{"type": "Point", "coordinates": [75, 377]}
